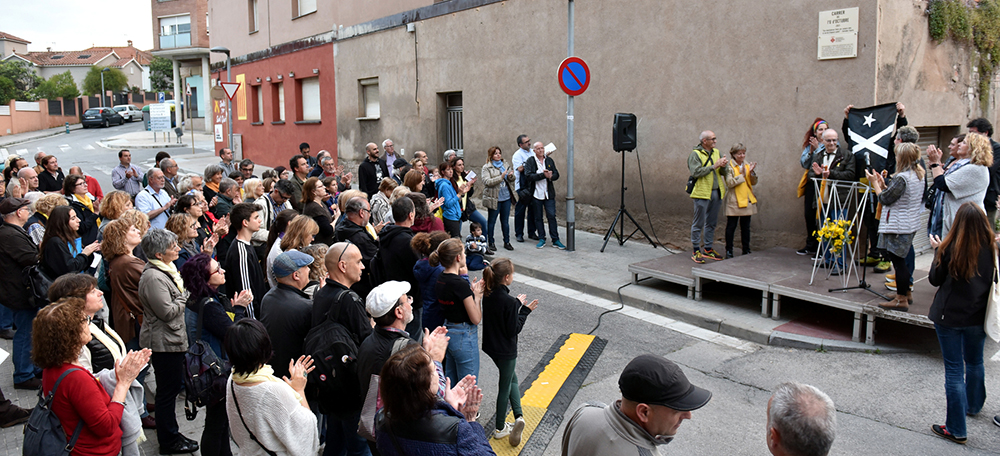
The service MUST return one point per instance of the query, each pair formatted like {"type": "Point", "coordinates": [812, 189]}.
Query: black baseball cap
{"type": "Point", "coordinates": [651, 379]}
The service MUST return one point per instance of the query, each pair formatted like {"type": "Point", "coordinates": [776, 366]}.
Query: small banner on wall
{"type": "Point", "coordinates": [218, 133]}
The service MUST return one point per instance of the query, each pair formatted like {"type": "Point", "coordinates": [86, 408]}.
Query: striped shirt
{"type": "Point", "coordinates": [243, 272]}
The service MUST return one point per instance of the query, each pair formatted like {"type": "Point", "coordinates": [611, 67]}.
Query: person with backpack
{"type": "Point", "coordinates": [89, 417]}
{"type": "Point", "coordinates": [503, 318]}
{"type": "Point", "coordinates": [202, 277]}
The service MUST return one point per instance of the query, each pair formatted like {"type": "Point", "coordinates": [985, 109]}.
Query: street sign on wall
{"type": "Point", "coordinates": [574, 76]}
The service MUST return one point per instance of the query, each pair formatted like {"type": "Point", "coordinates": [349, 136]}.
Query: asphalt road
{"type": "Point", "coordinates": [886, 402]}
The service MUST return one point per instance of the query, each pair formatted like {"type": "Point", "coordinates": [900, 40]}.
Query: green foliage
{"type": "Point", "coordinates": [22, 76]}
{"type": "Point", "coordinates": [60, 85]}
{"type": "Point", "coordinates": [979, 26]}
{"type": "Point", "coordinates": [7, 90]}
{"type": "Point", "coordinates": [161, 74]}
{"type": "Point", "coordinates": [114, 80]}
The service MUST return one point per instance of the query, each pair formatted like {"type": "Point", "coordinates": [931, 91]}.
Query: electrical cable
{"type": "Point", "coordinates": [645, 206]}
{"type": "Point", "coordinates": [621, 304]}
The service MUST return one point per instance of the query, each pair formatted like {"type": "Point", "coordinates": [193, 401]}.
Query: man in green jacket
{"type": "Point", "coordinates": [709, 170]}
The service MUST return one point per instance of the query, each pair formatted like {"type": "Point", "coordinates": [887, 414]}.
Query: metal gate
{"type": "Point", "coordinates": [55, 108]}
{"type": "Point", "coordinates": [69, 106]}
{"type": "Point", "coordinates": [454, 106]}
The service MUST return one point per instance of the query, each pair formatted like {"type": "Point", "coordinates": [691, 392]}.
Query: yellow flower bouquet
{"type": "Point", "coordinates": [835, 233]}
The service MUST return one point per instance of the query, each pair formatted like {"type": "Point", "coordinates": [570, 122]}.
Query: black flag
{"type": "Point", "coordinates": [869, 130]}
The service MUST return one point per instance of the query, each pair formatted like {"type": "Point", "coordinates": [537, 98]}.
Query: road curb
{"type": "Point", "coordinates": [48, 135]}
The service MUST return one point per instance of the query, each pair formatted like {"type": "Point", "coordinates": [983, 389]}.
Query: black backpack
{"type": "Point", "coordinates": [205, 374]}
{"type": "Point", "coordinates": [334, 381]}
{"type": "Point", "coordinates": [43, 434]}
{"type": "Point", "coordinates": [377, 270]}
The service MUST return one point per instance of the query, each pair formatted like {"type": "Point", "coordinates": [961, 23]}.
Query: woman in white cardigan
{"type": "Point", "coordinates": [267, 415]}
{"type": "Point", "coordinates": [965, 180]}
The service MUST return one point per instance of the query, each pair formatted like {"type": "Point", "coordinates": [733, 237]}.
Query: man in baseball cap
{"type": "Point", "coordinates": [656, 397]}
{"type": "Point", "coordinates": [286, 311]}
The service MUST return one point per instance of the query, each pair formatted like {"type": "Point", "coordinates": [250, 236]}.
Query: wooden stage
{"type": "Point", "coordinates": [781, 272]}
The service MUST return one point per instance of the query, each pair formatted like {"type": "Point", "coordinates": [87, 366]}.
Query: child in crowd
{"type": "Point", "coordinates": [475, 248]}
{"type": "Point", "coordinates": [740, 200]}
{"type": "Point", "coordinates": [503, 318]}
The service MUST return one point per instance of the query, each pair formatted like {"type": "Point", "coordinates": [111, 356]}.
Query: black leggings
{"type": "Point", "coordinates": [902, 273]}
{"type": "Point", "coordinates": [810, 213]}
{"type": "Point", "coordinates": [744, 222]}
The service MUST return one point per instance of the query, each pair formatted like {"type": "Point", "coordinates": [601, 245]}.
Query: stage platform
{"type": "Point", "coordinates": [780, 272]}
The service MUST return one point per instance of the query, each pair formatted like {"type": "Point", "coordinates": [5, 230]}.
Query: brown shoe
{"type": "Point", "coordinates": [901, 303]}
{"type": "Point", "coordinates": [16, 415]}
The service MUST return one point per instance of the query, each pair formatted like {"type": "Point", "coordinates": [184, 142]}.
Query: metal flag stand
{"type": "Point", "coordinates": [833, 207]}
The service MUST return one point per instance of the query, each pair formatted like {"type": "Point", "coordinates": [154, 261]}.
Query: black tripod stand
{"type": "Point", "coordinates": [622, 213]}
{"type": "Point", "coordinates": [862, 284]}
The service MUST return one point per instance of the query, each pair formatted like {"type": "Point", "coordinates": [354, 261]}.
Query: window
{"type": "Point", "coordinates": [175, 31]}
{"type": "Point", "coordinates": [303, 7]}
{"type": "Point", "coordinates": [253, 15]}
{"type": "Point", "coordinates": [369, 106]}
{"type": "Point", "coordinates": [258, 107]}
{"type": "Point", "coordinates": [310, 98]}
{"type": "Point", "coordinates": [453, 104]}
{"type": "Point", "coordinates": [278, 102]}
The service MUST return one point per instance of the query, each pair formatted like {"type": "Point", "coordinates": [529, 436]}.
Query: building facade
{"type": "Point", "coordinates": [180, 32]}
{"type": "Point", "coordinates": [10, 44]}
{"type": "Point", "coordinates": [134, 63]}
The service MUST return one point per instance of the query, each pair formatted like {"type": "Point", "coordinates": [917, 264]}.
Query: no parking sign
{"type": "Point", "coordinates": [574, 76]}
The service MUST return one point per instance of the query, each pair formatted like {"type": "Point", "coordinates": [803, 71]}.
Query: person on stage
{"type": "Point", "coordinates": [740, 200]}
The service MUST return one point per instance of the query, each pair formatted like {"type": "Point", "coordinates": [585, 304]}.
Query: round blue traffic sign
{"type": "Point", "coordinates": [574, 76]}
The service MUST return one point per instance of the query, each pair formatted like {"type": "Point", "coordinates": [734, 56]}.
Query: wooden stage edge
{"type": "Point", "coordinates": [779, 272]}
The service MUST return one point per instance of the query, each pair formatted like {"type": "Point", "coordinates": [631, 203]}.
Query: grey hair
{"type": "Point", "coordinates": [14, 183]}
{"type": "Point", "coordinates": [908, 134]}
{"type": "Point", "coordinates": [355, 204]}
{"type": "Point", "coordinates": [167, 163]}
{"type": "Point", "coordinates": [157, 241]}
{"type": "Point", "coordinates": [805, 417]}
{"type": "Point", "coordinates": [704, 135]}
{"type": "Point", "coordinates": [226, 184]}
{"type": "Point", "coordinates": [184, 184]}
{"type": "Point", "coordinates": [246, 162]}
{"type": "Point", "coordinates": [212, 170]}
{"type": "Point", "coordinates": [387, 140]}
{"type": "Point", "coordinates": [325, 159]}
{"type": "Point", "coordinates": [23, 172]}
{"type": "Point", "coordinates": [448, 154]}
{"type": "Point", "coordinates": [152, 171]}
{"type": "Point", "coordinates": [322, 153]}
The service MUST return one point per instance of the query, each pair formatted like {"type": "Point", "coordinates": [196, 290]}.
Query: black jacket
{"type": "Point", "coordinates": [345, 307]}
{"type": "Point", "coordinates": [322, 217]}
{"type": "Point", "coordinates": [503, 318]}
{"type": "Point", "coordinates": [399, 258]}
{"type": "Point", "coordinates": [58, 260]}
{"type": "Point", "coordinates": [368, 180]}
{"type": "Point", "coordinates": [286, 313]}
{"type": "Point", "coordinates": [89, 228]}
{"type": "Point", "coordinates": [243, 272]}
{"type": "Point", "coordinates": [17, 252]}
{"type": "Point", "coordinates": [532, 174]}
{"type": "Point", "coordinates": [350, 231]}
{"type": "Point", "coordinates": [48, 183]}
{"type": "Point", "coordinates": [960, 303]}
{"type": "Point", "coordinates": [993, 190]}
{"type": "Point", "coordinates": [373, 353]}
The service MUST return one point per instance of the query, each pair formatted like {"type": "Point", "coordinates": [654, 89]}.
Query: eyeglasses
{"type": "Point", "coordinates": [341, 257]}
{"type": "Point", "coordinates": [219, 271]}
{"type": "Point", "coordinates": [194, 226]}
{"type": "Point", "coordinates": [248, 169]}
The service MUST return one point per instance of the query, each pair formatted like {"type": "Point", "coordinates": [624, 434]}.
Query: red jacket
{"type": "Point", "coordinates": [81, 397]}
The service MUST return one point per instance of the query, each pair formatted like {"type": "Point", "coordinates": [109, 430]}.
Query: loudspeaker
{"type": "Point", "coordinates": [624, 137]}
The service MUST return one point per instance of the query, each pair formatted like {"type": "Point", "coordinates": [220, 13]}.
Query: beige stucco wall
{"type": "Point", "coordinates": [230, 21]}
{"type": "Point", "coordinates": [746, 70]}
{"type": "Point", "coordinates": [10, 47]}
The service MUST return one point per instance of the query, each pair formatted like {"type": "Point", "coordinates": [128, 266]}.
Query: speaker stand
{"type": "Point", "coordinates": [622, 213]}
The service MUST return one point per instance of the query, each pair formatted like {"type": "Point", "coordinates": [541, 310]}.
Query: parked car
{"type": "Point", "coordinates": [128, 112]}
{"type": "Point", "coordinates": [104, 117]}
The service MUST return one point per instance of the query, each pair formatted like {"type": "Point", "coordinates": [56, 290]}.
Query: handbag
{"type": "Point", "coordinates": [38, 282]}
{"type": "Point", "coordinates": [205, 374]}
{"type": "Point", "coordinates": [803, 182]}
{"type": "Point", "coordinates": [366, 426]}
{"type": "Point", "coordinates": [992, 323]}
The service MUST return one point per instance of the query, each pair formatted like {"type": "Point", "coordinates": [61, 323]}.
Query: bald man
{"type": "Point", "coordinates": [708, 169]}
{"type": "Point", "coordinates": [372, 170]}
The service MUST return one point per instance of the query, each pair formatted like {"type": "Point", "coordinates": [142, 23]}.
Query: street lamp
{"type": "Point", "coordinates": [229, 78]}
{"type": "Point", "coordinates": [103, 93]}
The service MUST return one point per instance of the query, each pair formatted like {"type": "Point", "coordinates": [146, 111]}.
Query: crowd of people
{"type": "Point", "coordinates": [247, 266]}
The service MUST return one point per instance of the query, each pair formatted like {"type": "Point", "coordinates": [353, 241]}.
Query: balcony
{"type": "Point", "coordinates": [175, 41]}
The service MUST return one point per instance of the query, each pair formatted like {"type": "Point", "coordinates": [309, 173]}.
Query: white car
{"type": "Point", "coordinates": [129, 112]}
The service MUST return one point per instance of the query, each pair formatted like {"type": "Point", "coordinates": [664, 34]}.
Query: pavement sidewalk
{"type": "Point", "coordinates": [10, 140]}
{"type": "Point", "coordinates": [150, 140]}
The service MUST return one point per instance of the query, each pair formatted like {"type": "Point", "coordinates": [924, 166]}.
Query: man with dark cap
{"type": "Point", "coordinates": [656, 397]}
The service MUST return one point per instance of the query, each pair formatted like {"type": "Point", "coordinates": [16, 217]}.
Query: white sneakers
{"type": "Point", "coordinates": [512, 431]}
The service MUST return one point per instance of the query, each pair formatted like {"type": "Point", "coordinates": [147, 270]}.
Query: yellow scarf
{"type": "Point", "coordinates": [87, 203]}
{"type": "Point", "coordinates": [171, 270]}
{"type": "Point", "coordinates": [264, 374]}
{"type": "Point", "coordinates": [743, 192]}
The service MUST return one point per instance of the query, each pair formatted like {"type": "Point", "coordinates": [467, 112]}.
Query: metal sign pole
{"type": "Point", "coordinates": [570, 203]}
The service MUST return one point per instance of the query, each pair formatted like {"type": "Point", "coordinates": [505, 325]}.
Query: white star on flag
{"type": "Point", "coordinates": [869, 120]}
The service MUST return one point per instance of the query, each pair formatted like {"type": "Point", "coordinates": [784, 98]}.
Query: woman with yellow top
{"type": "Point", "coordinates": [75, 191]}
{"type": "Point", "coordinates": [740, 200]}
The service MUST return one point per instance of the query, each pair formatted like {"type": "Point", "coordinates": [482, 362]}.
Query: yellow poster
{"type": "Point", "coordinates": [241, 97]}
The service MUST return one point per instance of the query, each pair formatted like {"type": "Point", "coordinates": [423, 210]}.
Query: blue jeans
{"type": "Point", "coordinates": [462, 357]}
{"type": "Point", "coordinates": [6, 318]}
{"type": "Point", "coordinates": [964, 375]}
{"type": "Point", "coordinates": [24, 369]}
{"type": "Point", "coordinates": [503, 210]}
{"type": "Point", "coordinates": [524, 205]}
{"type": "Point", "coordinates": [548, 206]}
{"type": "Point", "coordinates": [342, 437]}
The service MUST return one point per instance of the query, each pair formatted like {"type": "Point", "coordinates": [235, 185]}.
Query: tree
{"type": "Point", "coordinates": [60, 85]}
{"type": "Point", "coordinates": [114, 80]}
{"type": "Point", "coordinates": [7, 90]}
{"type": "Point", "coordinates": [22, 76]}
{"type": "Point", "coordinates": [161, 74]}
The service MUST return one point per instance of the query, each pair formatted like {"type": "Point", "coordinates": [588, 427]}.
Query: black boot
{"type": "Point", "coordinates": [729, 254]}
